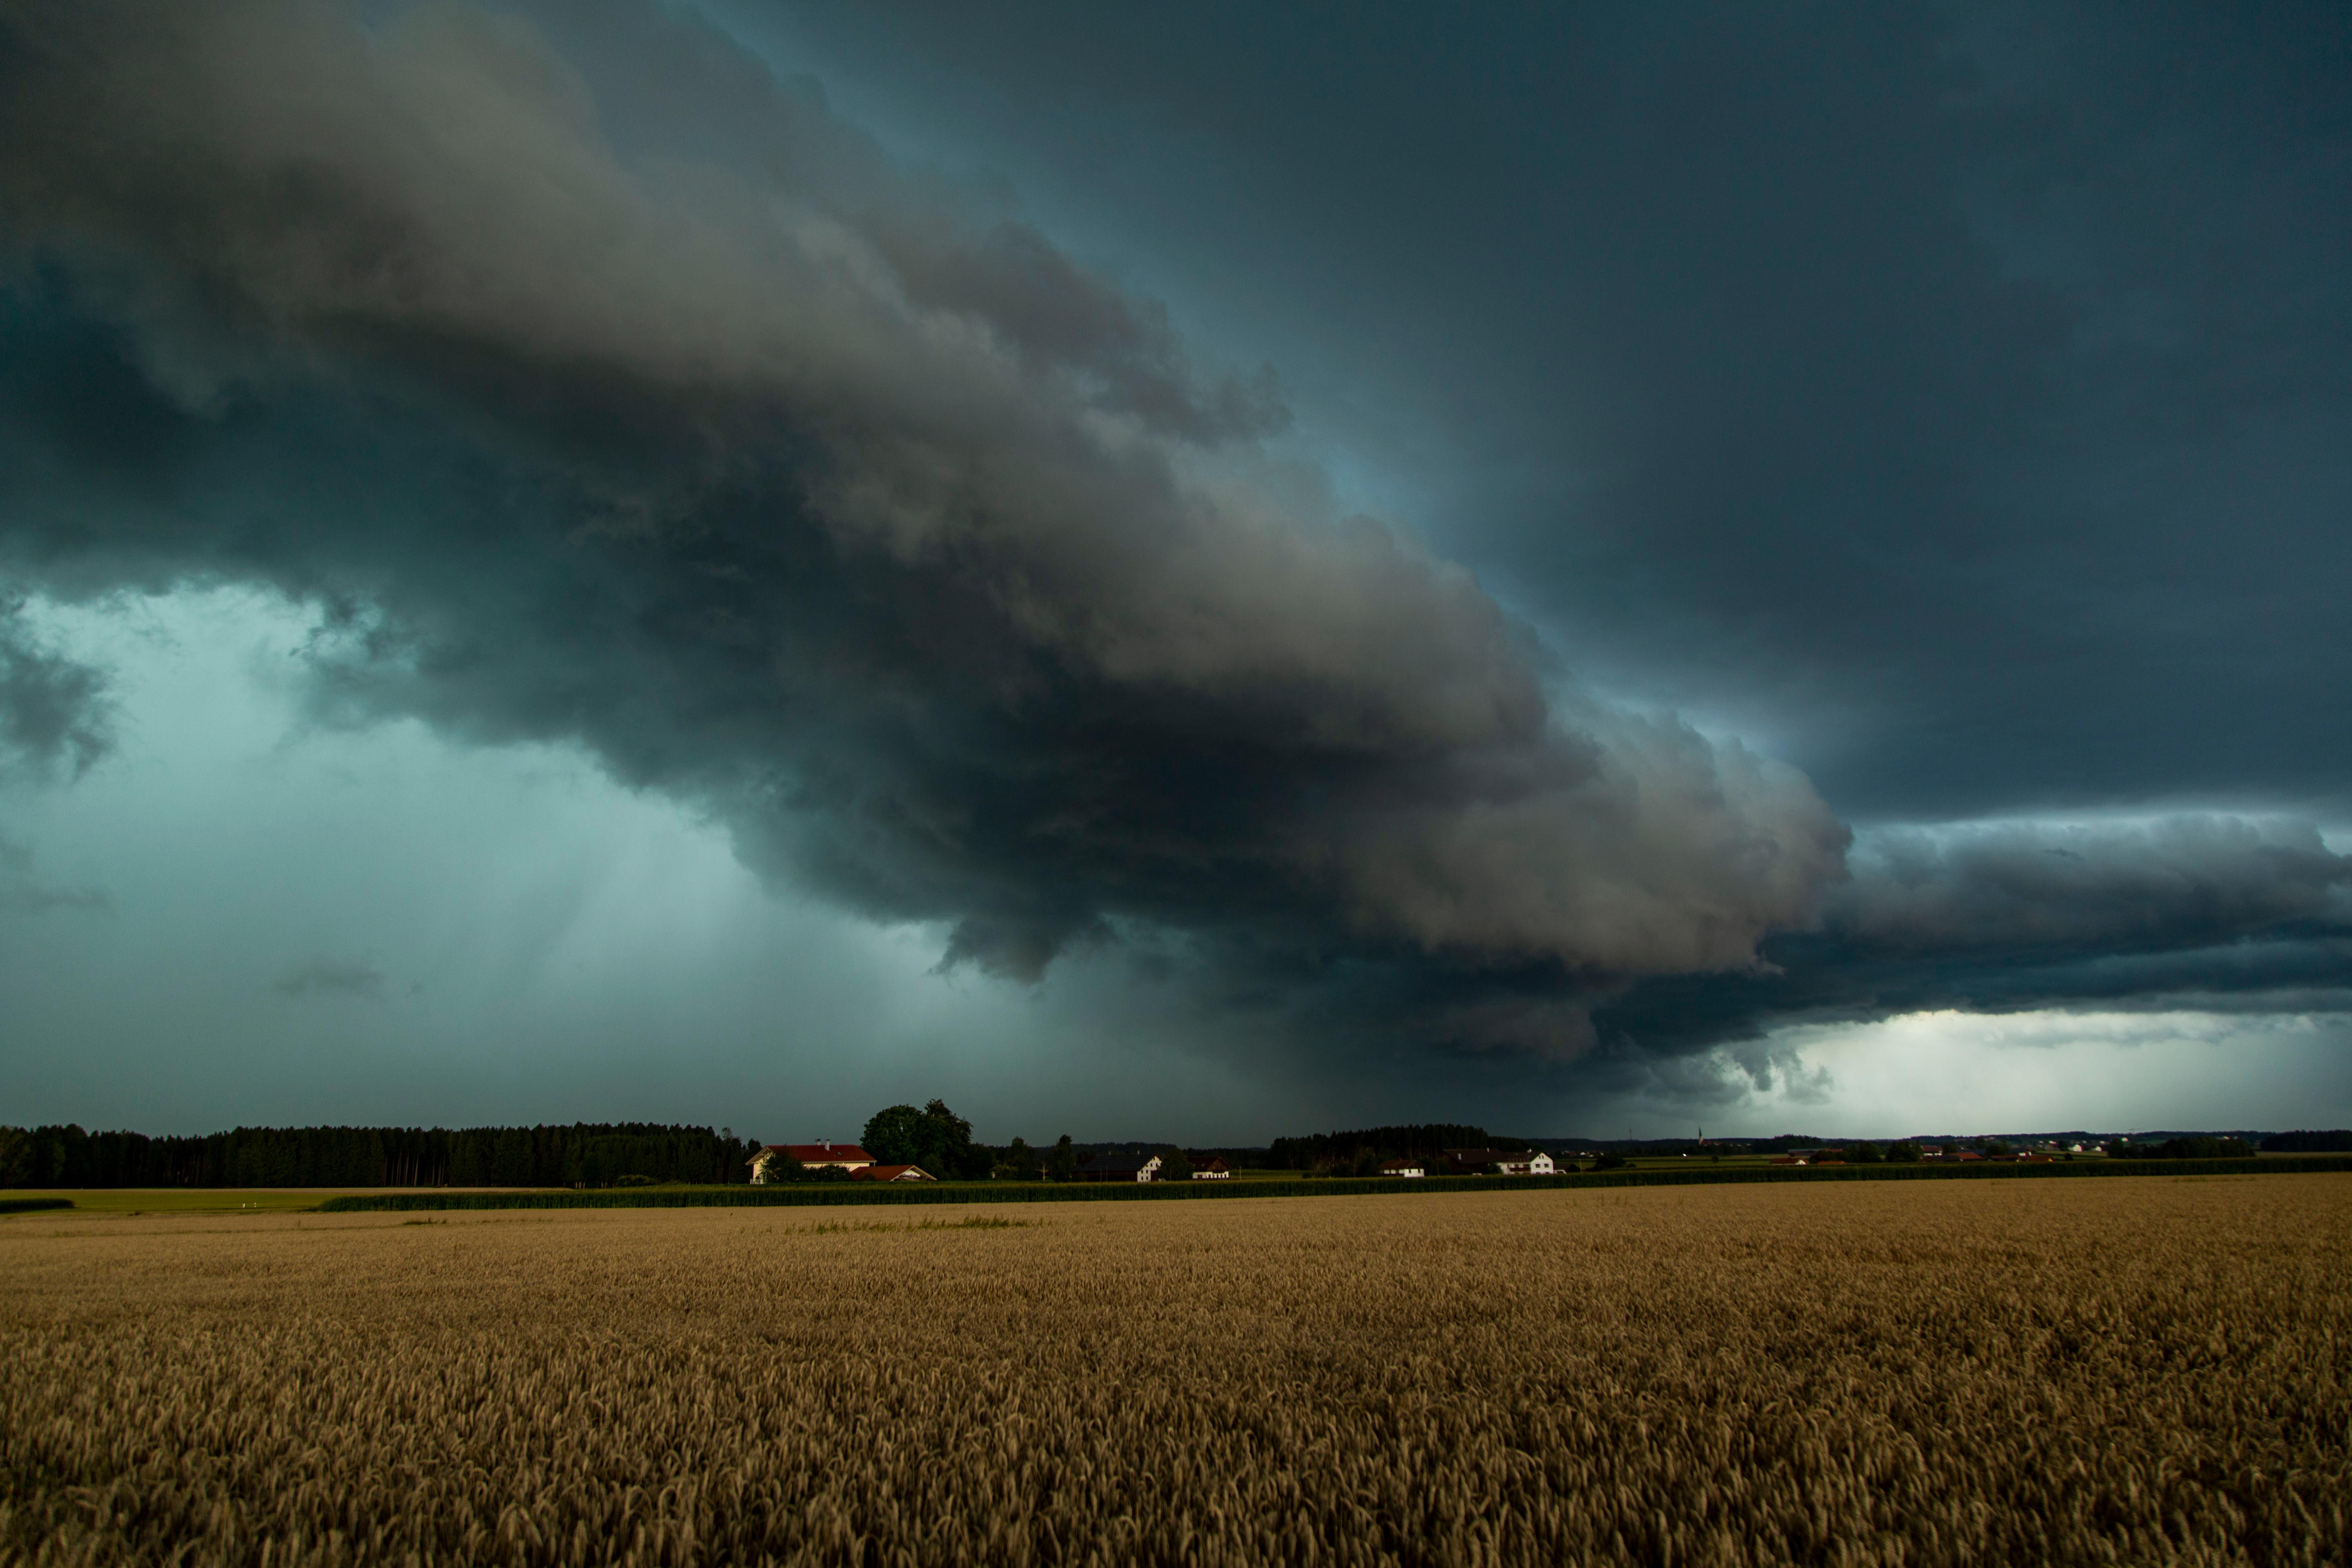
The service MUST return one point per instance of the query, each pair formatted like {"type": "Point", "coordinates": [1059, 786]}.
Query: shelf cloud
{"type": "Point", "coordinates": [601, 387]}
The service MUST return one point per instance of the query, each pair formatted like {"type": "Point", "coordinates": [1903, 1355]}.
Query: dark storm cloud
{"type": "Point", "coordinates": [2177, 882]}
{"type": "Point", "coordinates": [2203, 912]}
{"type": "Point", "coordinates": [1960, 395]}
{"type": "Point", "coordinates": [924, 557]}
{"type": "Point", "coordinates": [599, 387]}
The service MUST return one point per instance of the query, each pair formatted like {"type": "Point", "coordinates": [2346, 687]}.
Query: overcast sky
{"type": "Point", "coordinates": [1189, 575]}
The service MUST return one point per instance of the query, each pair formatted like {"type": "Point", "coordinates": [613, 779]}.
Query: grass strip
{"type": "Point", "coordinates": [33, 1205]}
{"type": "Point", "coordinates": [859, 1194]}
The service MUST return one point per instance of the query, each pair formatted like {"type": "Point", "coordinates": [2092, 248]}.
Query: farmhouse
{"type": "Point", "coordinates": [1511, 1162]}
{"type": "Point", "coordinates": [1414, 1166]}
{"type": "Point", "coordinates": [1119, 1168]}
{"type": "Point", "coordinates": [1212, 1170]}
{"type": "Point", "coordinates": [824, 1152]}
{"type": "Point", "coordinates": [891, 1173]}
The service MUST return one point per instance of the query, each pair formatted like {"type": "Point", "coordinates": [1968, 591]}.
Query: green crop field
{"type": "Point", "coordinates": [188, 1200]}
{"type": "Point", "coordinates": [1279, 1184]}
{"type": "Point", "coordinates": [1247, 1184]}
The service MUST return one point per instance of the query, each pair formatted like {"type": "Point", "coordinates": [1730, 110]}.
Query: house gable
{"type": "Point", "coordinates": [891, 1173]}
{"type": "Point", "coordinates": [1119, 1168]}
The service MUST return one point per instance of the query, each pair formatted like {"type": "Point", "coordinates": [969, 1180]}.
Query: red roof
{"type": "Point", "coordinates": [890, 1173]}
{"type": "Point", "coordinates": [823, 1153]}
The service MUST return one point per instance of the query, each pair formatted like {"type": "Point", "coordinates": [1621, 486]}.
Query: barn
{"type": "Point", "coordinates": [824, 1152]}
{"type": "Point", "coordinates": [1118, 1168]}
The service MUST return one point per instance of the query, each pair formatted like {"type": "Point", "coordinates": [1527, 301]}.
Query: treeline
{"type": "Point", "coordinates": [1370, 1146]}
{"type": "Point", "coordinates": [935, 1138]}
{"type": "Point", "coordinates": [582, 1154]}
{"type": "Point", "coordinates": [939, 1141]}
{"type": "Point", "coordinates": [2339, 1142]}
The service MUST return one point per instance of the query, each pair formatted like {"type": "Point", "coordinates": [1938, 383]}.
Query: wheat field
{"type": "Point", "coordinates": [2146, 1370]}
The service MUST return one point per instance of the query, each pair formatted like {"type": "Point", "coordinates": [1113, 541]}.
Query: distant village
{"type": "Point", "coordinates": [1901, 1152]}
{"type": "Point", "coordinates": [859, 1165]}
{"type": "Point", "coordinates": [906, 1144]}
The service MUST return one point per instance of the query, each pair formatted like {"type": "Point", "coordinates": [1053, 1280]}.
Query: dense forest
{"type": "Point", "coordinates": [583, 1153]}
{"type": "Point", "coordinates": [2339, 1142]}
{"type": "Point", "coordinates": [1324, 1151]}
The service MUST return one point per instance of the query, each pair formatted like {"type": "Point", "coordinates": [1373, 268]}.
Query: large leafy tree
{"type": "Point", "coordinates": [934, 1137]}
{"type": "Point", "coordinates": [894, 1135]}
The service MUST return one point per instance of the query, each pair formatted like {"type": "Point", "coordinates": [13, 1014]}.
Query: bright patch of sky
{"type": "Point", "coordinates": [2048, 1072]}
{"type": "Point", "coordinates": [240, 917]}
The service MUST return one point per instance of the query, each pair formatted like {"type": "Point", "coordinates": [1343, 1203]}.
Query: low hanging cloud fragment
{"type": "Point", "coordinates": [54, 715]}
{"type": "Point", "coordinates": [23, 892]}
{"type": "Point", "coordinates": [2202, 911]}
{"type": "Point", "coordinates": [597, 387]}
{"type": "Point", "coordinates": [331, 978]}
